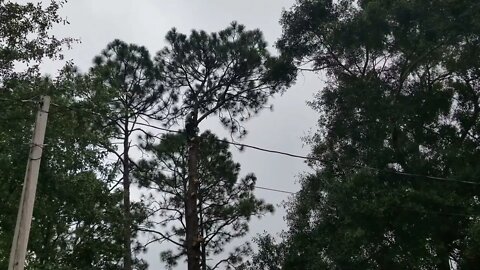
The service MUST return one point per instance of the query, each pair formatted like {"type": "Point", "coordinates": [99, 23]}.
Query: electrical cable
{"type": "Point", "coordinates": [298, 156]}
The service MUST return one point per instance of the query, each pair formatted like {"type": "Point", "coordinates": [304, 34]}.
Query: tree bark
{"type": "Point", "coordinates": [127, 244]}
{"type": "Point", "coordinates": [193, 238]}
{"type": "Point", "coordinates": [202, 231]}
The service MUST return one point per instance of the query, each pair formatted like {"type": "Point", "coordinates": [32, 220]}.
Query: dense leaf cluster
{"type": "Point", "coordinates": [402, 95]}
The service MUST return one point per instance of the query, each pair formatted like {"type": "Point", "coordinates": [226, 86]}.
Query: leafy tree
{"type": "Point", "coordinates": [125, 78]}
{"type": "Point", "coordinates": [400, 103]}
{"type": "Point", "coordinates": [68, 232]}
{"type": "Point", "coordinates": [228, 74]}
{"type": "Point", "coordinates": [75, 215]}
{"type": "Point", "coordinates": [25, 37]}
{"type": "Point", "coordinates": [226, 201]}
{"type": "Point", "coordinates": [270, 255]}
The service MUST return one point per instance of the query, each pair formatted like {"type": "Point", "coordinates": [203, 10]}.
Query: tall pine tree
{"type": "Point", "coordinates": [125, 78]}
{"type": "Point", "coordinates": [225, 205]}
{"type": "Point", "coordinates": [229, 75]}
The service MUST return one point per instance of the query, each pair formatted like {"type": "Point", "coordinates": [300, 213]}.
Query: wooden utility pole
{"type": "Point", "coordinates": [25, 210]}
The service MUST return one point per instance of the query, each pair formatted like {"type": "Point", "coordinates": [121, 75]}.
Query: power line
{"type": "Point", "coordinates": [276, 190]}
{"type": "Point", "coordinates": [321, 160]}
{"type": "Point", "coordinates": [270, 150]}
{"type": "Point", "coordinates": [241, 144]}
{"type": "Point", "coordinates": [436, 178]}
{"type": "Point", "coordinates": [427, 176]}
{"type": "Point", "coordinates": [226, 141]}
{"type": "Point", "coordinates": [310, 158]}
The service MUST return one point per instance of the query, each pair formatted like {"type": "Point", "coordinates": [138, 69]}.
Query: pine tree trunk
{"type": "Point", "coordinates": [204, 257]}
{"type": "Point", "coordinates": [191, 218]}
{"type": "Point", "coordinates": [127, 244]}
{"type": "Point", "coordinates": [202, 231]}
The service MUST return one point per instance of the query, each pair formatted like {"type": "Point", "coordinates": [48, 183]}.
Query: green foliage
{"type": "Point", "coordinates": [25, 37]}
{"type": "Point", "coordinates": [401, 96]}
{"type": "Point", "coordinates": [226, 201]}
{"type": "Point", "coordinates": [126, 82]}
{"type": "Point", "coordinates": [127, 73]}
{"type": "Point", "coordinates": [270, 255]}
{"type": "Point", "coordinates": [75, 216]}
{"type": "Point", "coordinates": [229, 74]}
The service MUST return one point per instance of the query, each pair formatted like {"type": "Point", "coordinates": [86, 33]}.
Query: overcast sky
{"type": "Point", "coordinates": [145, 22]}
